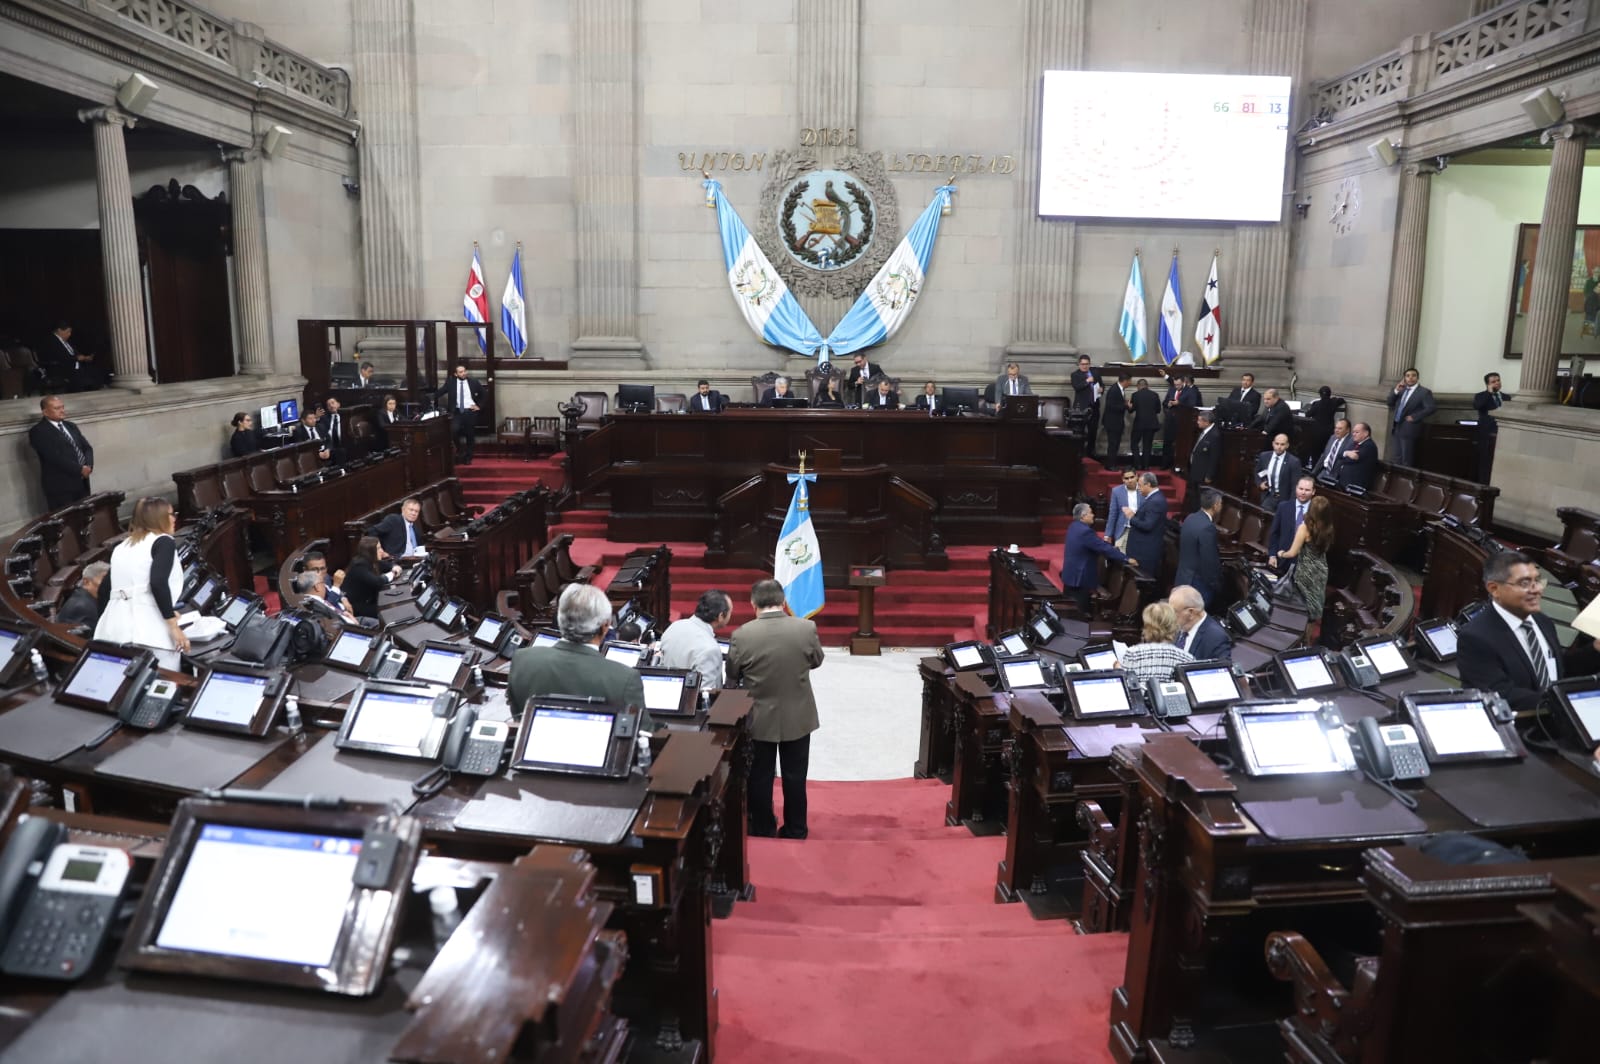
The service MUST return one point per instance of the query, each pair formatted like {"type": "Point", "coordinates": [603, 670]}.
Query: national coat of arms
{"type": "Point", "coordinates": [826, 231]}
{"type": "Point", "coordinates": [827, 219]}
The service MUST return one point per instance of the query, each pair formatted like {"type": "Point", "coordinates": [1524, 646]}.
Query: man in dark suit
{"type": "Point", "coordinates": [931, 402]}
{"type": "Point", "coordinates": [861, 377]}
{"type": "Point", "coordinates": [460, 397]}
{"type": "Point", "coordinates": [1275, 416]}
{"type": "Point", "coordinates": [1204, 461]}
{"type": "Point", "coordinates": [1080, 571]}
{"type": "Point", "coordinates": [1290, 515]}
{"type": "Point", "coordinates": [65, 364]}
{"type": "Point", "coordinates": [1146, 407]}
{"type": "Point", "coordinates": [1114, 418]}
{"type": "Point", "coordinates": [1512, 648]}
{"type": "Point", "coordinates": [1147, 527]}
{"type": "Point", "coordinates": [1180, 392]}
{"type": "Point", "coordinates": [772, 658]}
{"type": "Point", "coordinates": [309, 429]}
{"type": "Point", "coordinates": [1326, 464]}
{"type": "Point", "coordinates": [1247, 396]}
{"type": "Point", "coordinates": [779, 390]}
{"type": "Point", "coordinates": [1086, 393]}
{"type": "Point", "coordinates": [65, 458]}
{"type": "Point", "coordinates": [1276, 473]}
{"type": "Point", "coordinates": [883, 397]}
{"type": "Point", "coordinates": [704, 400]}
{"type": "Point", "coordinates": [336, 429]}
{"type": "Point", "coordinates": [1486, 403]}
{"type": "Point", "coordinates": [1410, 404]}
{"type": "Point", "coordinates": [398, 535]}
{"type": "Point", "coordinates": [83, 605]}
{"type": "Point", "coordinates": [573, 666]}
{"type": "Point", "coordinates": [1199, 560]}
{"type": "Point", "coordinates": [1012, 382]}
{"type": "Point", "coordinates": [1359, 463]}
{"type": "Point", "coordinates": [1201, 634]}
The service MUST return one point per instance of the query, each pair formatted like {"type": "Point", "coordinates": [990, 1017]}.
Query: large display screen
{"type": "Point", "coordinates": [568, 737]}
{"type": "Point", "coordinates": [1207, 147]}
{"type": "Point", "coordinates": [229, 698]}
{"type": "Point", "coordinates": [267, 895]}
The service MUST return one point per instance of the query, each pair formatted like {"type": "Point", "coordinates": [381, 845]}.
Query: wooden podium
{"type": "Point", "coordinates": [865, 579]}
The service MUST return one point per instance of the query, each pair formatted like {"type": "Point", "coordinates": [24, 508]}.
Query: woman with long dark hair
{"type": "Point", "coordinates": [1309, 551]}
{"type": "Point", "coordinates": [364, 579]}
{"type": "Point", "coordinates": [137, 595]}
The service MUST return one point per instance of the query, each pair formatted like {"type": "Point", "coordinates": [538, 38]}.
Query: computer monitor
{"type": "Point", "coordinates": [1306, 672]}
{"type": "Point", "coordinates": [639, 398]}
{"type": "Point", "coordinates": [790, 402]}
{"type": "Point", "coordinates": [960, 398]}
{"type": "Point", "coordinates": [267, 418]}
{"type": "Point", "coordinates": [1458, 726]}
{"type": "Point", "coordinates": [1288, 738]}
{"type": "Point", "coordinates": [402, 721]}
{"type": "Point", "coordinates": [1093, 695]}
{"type": "Point", "coordinates": [288, 412]}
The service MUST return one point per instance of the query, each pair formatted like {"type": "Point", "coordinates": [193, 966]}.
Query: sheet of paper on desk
{"type": "Point", "coordinates": [1588, 622]}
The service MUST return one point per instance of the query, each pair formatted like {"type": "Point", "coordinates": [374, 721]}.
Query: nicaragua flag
{"type": "Point", "coordinates": [763, 298]}
{"type": "Point", "coordinates": [888, 298]}
{"type": "Point", "coordinates": [1208, 330]}
{"type": "Point", "coordinates": [512, 320]}
{"type": "Point", "coordinates": [1171, 337]}
{"type": "Point", "coordinates": [1131, 327]}
{"type": "Point", "coordinates": [475, 304]}
{"type": "Point", "coordinates": [798, 562]}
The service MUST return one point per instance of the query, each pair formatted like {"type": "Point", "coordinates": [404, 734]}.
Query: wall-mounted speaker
{"type": "Point", "coordinates": [1383, 151]}
{"type": "Point", "coordinates": [1545, 108]}
{"type": "Point", "coordinates": [276, 140]}
{"type": "Point", "coordinates": [135, 94]}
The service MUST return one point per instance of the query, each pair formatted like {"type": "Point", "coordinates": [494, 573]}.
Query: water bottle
{"type": "Point", "coordinates": [642, 750]}
{"type": "Point", "coordinates": [40, 673]}
{"type": "Point", "coordinates": [446, 914]}
{"type": "Point", "coordinates": [477, 676]}
{"type": "Point", "coordinates": [291, 714]}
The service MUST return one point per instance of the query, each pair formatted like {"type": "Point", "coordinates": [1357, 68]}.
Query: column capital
{"type": "Point", "coordinates": [1566, 131]}
{"type": "Point", "coordinates": [108, 115]}
{"type": "Point", "coordinates": [240, 155]}
{"type": "Point", "coordinates": [1423, 168]}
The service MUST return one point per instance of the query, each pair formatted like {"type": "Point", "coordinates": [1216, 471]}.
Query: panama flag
{"type": "Point", "coordinates": [475, 304]}
{"type": "Point", "coordinates": [888, 298]}
{"type": "Point", "coordinates": [512, 319]}
{"type": "Point", "coordinates": [798, 562]}
{"type": "Point", "coordinates": [1131, 327]}
{"type": "Point", "coordinates": [1171, 336]}
{"type": "Point", "coordinates": [1208, 330]}
{"type": "Point", "coordinates": [763, 298]}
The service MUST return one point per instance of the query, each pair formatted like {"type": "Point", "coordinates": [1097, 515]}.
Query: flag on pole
{"type": "Point", "coordinates": [798, 562]}
{"type": "Point", "coordinates": [513, 322]}
{"type": "Point", "coordinates": [888, 298]}
{"type": "Point", "coordinates": [1131, 327]}
{"type": "Point", "coordinates": [1171, 336]}
{"type": "Point", "coordinates": [475, 304]}
{"type": "Point", "coordinates": [1208, 330]}
{"type": "Point", "coordinates": [764, 300]}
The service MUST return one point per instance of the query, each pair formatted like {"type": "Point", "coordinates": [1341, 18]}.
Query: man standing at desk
{"type": "Point", "coordinates": [397, 533]}
{"type": "Point", "coordinates": [1333, 451]}
{"type": "Point", "coordinates": [1115, 419]}
{"type": "Point", "coordinates": [691, 643]}
{"type": "Point", "coordinates": [1246, 393]}
{"type": "Point", "coordinates": [1410, 404]}
{"type": "Point", "coordinates": [772, 657]}
{"type": "Point", "coordinates": [461, 396]}
{"type": "Point", "coordinates": [1205, 460]}
{"type": "Point", "coordinates": [1511, 648]}
{"type": "Point", "coordinates": [1011, 382]}
{"type": "Point", "coordinates": [862, 375]}
{"type": "Point", "coordinates": [1147, 527]}
{"type": "Point", "coordinates": [1080, 567]}
{"type": "Point", "coordinates": [1359, 464]}
{"type": "Point", "coordinates": [1276, 473]}
{"type": "Point", "coordinates": [1086, 396]}
{"type": "Point", "coordinates": [1199, 559]}
{"type": "Point", "coordinates": [1486, 403]}
{"type": "Point", "coordinates": [573, 666]}
{"type": "Point", "coordinates": [1146, 407]}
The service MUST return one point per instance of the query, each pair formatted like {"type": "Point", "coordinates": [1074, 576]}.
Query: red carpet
{"type": "Point", "coordinates": [877, 940]}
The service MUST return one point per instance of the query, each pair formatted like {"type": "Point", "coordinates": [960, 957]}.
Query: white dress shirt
{"type": "Point", "coordinates": [692, 644]}
{"type": "Point", "coordinates": [1515, 624]}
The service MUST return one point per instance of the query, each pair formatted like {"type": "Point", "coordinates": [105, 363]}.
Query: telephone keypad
{"type": "Point", "coordinates": [1409, 761]}
{"type": "Point", "coordinates": [481, 758]}
{"type": "Point", "coordinates": [57, 934]}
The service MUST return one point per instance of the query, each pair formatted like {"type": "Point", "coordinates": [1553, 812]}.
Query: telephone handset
{"type": "Point", "coordinates": [472, 747]}
{"type": "Point", "coordinates": [388, 663]}
{"type": "Point", "coordinates": [1167, 699]}
{"type": "Point", "coordinates": [1359, 669]}
{"type": "Point", "coordinates": [1390, 751]}
{"type": "Point", "coordinates": [57, 901]}
{"type": "Point", "coordinates": [152, 707]}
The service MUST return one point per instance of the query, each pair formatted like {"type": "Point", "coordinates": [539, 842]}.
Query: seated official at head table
{"type": "Point", "coordinates": [831, 396]}
{"type": "Point", "coordinates": [705, 400]}
{"type": "Point", "coordinates": [779, 390]}
{"type": "Point", "coordinates": [929, 400]}
{"type": "Point", "coordinates": [245, 439]}
{"type": "Point", "coordinates": [884, 397]}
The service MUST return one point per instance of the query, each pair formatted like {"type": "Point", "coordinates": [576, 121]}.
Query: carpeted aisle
{"type": "Point", "coordinates": [877, 939]}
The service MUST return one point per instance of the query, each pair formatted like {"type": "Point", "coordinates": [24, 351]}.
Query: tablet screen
{"type": "Point", "coordinates": [626, 655]}
{"type": "Point", "coordinates": [397, 721]}
{"type": "Point", "coordinates": [1289, 741]}
{"type": "Point", "coordinates": [235, 610]}
{"type": "Point", "coordinates": [1443, 639]}
{"type": "Point", "coordinates": [1308, 673]}
{"type": "Point", "coordinates": [350, 649]}
{"type": "Point", "coordinates": [568, 737]}
{"type": "Point", "coordinates": [1460, 728]}
{"type": "Point", "coordinates": [1387, 658]}
{"type": "Point", "coordinates": [1101, 695]}
{"type": "Point", "coordinates": [1212, 687]}
{"type": "Point", "coordinates": [1014, 644]}
{"type": "Point", "coordinates": [438, 666]}
{"type": "Point", "coordinates": [229, 698]}
{"type": "Point", "coordinates": [1100, 659]}
{"type": "Point", "coordinates": [488, 631]}
{"type": "Point", "coordinates": [663, 693]}
{"type": "Point", "coordinates": [268, 895]}
{"type": "Point", "coordinates": [1023, 673]}
{"type": "Point", "coordinates": [545, 639]}
{"type": "Point", "coordinates": [448, 614]}
{"type": "Point", "coordinates": [97, 678]}
{"type": "Point", "coordinates": [966, 657]}
{"type": "Point", "coordinates": [1586, 704]}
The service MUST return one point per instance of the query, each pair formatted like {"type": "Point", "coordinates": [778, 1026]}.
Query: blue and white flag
{"type": "Point", "coordinates": [763, 298]}
{"type": "Point", "coordinates": [513, 322]}
{"type": "Point", "coordinates": [1131, 327]}
{"type": "Point", "coordinates": [798, 562]}
{"type": "Point", "coordinates": [888, 298]}
{"type": "Point", "coordinates": [1171, 336]}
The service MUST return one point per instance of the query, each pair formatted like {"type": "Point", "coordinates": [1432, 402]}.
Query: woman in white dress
{"type": "Point", "coordinates": [137, 596]}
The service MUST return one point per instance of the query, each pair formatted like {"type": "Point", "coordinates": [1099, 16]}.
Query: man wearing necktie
{"type": "Point", "coordinates": [65, 457]}
{"type": "Point", "coordinates": [334, 429]}
{"type": "Point", "coordinates": [1289, 515]}
{"type": "Point", "coordinates": [1328, 462]}
{"type": "Point", "coordinates": [1512, 648]}
{"type": "Point", "coordinates": [1011, 382]}
{"type": "Point", "coordinates": [397, 533]}
{"type": "Point", "coordinates": [1204, 461]}
{"type": "Point", "coordinates": [929, 400]}
{"type": "Point", "coordinates": [308, 429]}
{"type": "Point", "coordinates": [1276, 472]}
{"type": "Point", "coordinates": [1410, 405]}
{"type": "Point", "coordinates": [460, 397]}
{"type": "Point", "coordinates": [1486, 403]}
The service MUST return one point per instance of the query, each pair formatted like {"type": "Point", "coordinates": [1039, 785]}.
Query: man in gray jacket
{"type": "Point", "coordinates": [772, 658]}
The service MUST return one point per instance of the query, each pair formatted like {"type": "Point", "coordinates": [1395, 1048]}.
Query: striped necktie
{"type": "Point", "coordinates": [1541, 671]}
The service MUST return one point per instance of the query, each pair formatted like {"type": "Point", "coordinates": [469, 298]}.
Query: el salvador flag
{"type": "Point", "coordinates": [763, 298]}
{"type": "Point", "coordinates": [512, 320]}
{"type": "Point", "coordinates": [1171, 335]}
{"type": "Point", "coordinates": [888, 298]}
{"type": "Point", "coordinates": [798, 562]}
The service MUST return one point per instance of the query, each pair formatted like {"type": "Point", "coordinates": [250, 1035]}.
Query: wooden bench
{"type": "Point", "coordinates": [1579, 546]}
{"type": "Point", "coordinates": [539, 583]}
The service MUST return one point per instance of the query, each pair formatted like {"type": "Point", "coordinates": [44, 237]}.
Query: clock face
{"type": "Point", "coordinates": [1346, 205]}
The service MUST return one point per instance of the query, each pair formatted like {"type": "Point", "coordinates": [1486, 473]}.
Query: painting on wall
{"type": "Point", "coordinates": [1581, 335]}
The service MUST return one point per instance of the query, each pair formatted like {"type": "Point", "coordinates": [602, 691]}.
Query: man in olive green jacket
{"type": "Point", "coordinates": [574, 666]}
{"type": "Point", "coordinates": [772, 658]}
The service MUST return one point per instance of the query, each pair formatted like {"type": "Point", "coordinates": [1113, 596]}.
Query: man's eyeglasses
{"type": "Point", "coordinates": [1530, 583]}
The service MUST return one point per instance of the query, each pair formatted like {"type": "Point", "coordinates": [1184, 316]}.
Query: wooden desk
{"type": "Point", "coordinates": [936, 744]}
{"type": "Point", "coordinates": [661, 475]}
{"type": "Point", "coordinates": [1017, 589]}
{"type": "Point", "coordinates": [978, 780]}
{"type": "Point", "coordinates": [289, 518]}
{"type": "Point", "coordinates": [476, 560]}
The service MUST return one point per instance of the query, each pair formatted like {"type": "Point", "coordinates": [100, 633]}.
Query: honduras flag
{"type": "Point", "coordinates": [763, 298]}
{"type": "Point", "coordinates": [888, 298]}
{"type": "Point", "coordinates": [798, 562]}
{"type": "Point", "coordinates": [512, 320]}
{"type": "Point", "coordinates": [1131, 327]}
{"type": "Point", "coordinates": [1171, 336]}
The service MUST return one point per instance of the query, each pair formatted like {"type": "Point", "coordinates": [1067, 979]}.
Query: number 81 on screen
{"type": "Point", "coordinates": [1250, 107]}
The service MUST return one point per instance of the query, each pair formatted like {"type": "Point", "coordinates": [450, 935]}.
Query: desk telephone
{"type": "Point", "coordinates": [1167, 699]}
{"type": "Point", "coordinates": [1390, 751]}
{"type": "Point", "coordinates": [152, 708]}
{"type": "Point", "coordinates": [1358, 668]}
{"type": "Point", "coordinates": [388, 662]}
{"type": "Point", "coordinates": [58, 901]}
{"type": "Point", "coordinates": [472, 747]}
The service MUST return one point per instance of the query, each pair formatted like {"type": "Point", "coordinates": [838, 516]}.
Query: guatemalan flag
{"type": "Point", "coordinates": [475, 304]}
{"type": "Point", "coordinates": [888, 298]}
{"type": "Point", "coordinates": [513, 320]}
{"type": "Point", "coordinates": [1171, 337]}
{"type": "Point", "coordinates": [1131, 326]}
{"type": "Point", "coordinates": [763, 298]}
{"type": "Point", "coordinates": [798, 562]}
{"type": "Point", "coordinates": [1208, 330]}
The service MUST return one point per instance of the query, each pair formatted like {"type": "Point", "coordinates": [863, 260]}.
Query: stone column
{"type": "Point", "coordinates": [384, 86]}
{"type": "Point", "coordinates": [606, 181]}
{"type": "Point", "coordinates": [1258, 276]}
{"type": "Point", "coordinates": [119, 248]}
{"type": "Point", "coordinates": [1552, 263]}
{"type": "Point", "coordinates": [828, 96]}
{"type": "Point", "coordinates": [250, 292]}
{"type": "Point", "coordinates": [1404, 317]}
{"type": "Point", "coordinates": [1041, 311]}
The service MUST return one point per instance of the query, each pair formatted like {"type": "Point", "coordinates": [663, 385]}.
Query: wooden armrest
{"type": "Point", "coordinates": [1102, 832]}
{"type": "Point", "coordinates": [1323, 1006]}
